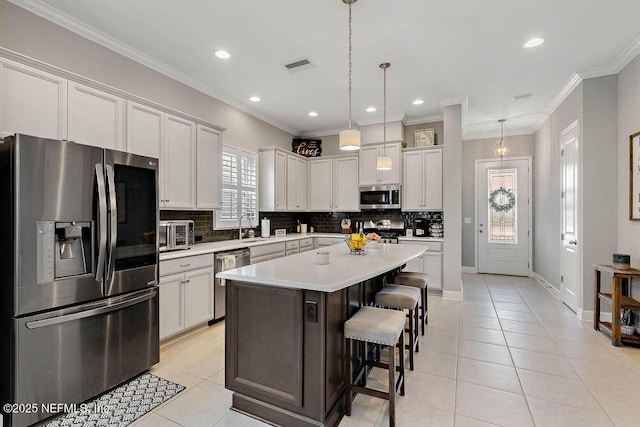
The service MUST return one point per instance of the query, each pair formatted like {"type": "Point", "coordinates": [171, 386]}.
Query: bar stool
{"type": "Point", "coordinates": [378, 326]}
{"type": "Point", "coordinates": [403, 298]}
{"type": "Point", "coordinates": [418, 280]}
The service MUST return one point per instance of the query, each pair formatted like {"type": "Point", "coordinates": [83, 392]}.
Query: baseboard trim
{"type": "Point", "coordinates": [547, 285]}
{"type": "Point", "coordinates": [470, 270]}
{"type": "Point", "coordinates": [452, 295]}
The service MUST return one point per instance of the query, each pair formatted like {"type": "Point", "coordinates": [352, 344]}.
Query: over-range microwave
{"type": "Point", "coordinates": [176, 235]}
{"type": "Point", "coordinates": [380, 197]}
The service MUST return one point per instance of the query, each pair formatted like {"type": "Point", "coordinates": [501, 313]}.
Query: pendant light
{"type": "Point", "coordinates": [384, 162]}
{"type": "Point", "coordinates": [501, 146]}
{"type": "Point", "coordinates": [349, 138]}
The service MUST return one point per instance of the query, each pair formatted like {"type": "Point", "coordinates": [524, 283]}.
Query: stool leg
{"type": "Point", "coordinates": [392, 385]}
{"type": "Point", "coordinates": [347, 374]}
{"type": "Point", "coordinates": [411, 340]}
{"type": "Point", "coordinates": [425, 305]}
{"type": "Point", "coordinates": [401, 353]}
{"type": "Point", "coordinates": [423, 308]}
{"type": "Point", "coordinates": [415, 328]}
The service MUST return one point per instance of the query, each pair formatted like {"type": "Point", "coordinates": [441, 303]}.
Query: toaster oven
{"type": "Point", "coordinates": [176, 235]}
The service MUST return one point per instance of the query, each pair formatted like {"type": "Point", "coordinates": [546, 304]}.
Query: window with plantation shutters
{"type": "Point", "coordinates": [239, 188]}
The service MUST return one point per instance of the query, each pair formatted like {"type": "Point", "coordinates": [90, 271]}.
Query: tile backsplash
{"type": "Point", "coordinates": [323, 222]}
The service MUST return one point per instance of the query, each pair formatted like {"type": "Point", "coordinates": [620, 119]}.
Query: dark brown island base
{"type": "Point", "coordinates": [284, 330]}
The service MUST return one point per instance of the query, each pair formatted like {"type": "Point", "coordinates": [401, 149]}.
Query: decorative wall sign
{"type": "Point", "coordinates": [307, 147]}
{"type": "Point", "coordinates": [634, 177]}
{"type": "Point", "coordinates": [424, 137]}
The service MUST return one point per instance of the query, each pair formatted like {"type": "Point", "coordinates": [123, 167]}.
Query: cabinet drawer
{"type": "Point", "coordinates": [429, 246]}
{"type": "Point", "coordinates": [328, 241]}
{"type": "Point", "coordinates": [268, 257]}
{"type": "Point", "coordinates": [306, 242]}
{"type": "Point", "coordinates": [180, 265]}
{"type": "Point", "coordinates": [257, 251]}
{"type": "Point", "coordinates": [292, 244]}
{"type": "Point", "coordinates": [292, 252]}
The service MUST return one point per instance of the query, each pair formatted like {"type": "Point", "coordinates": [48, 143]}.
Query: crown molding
{"type": "Point", "coordinates": [424, 119]}
{"type": "Point", "coordinates": [319, 133]}
{"type": "Point", "coordinates": [532, 123]}
{"type": "Point", "coordinates": [617, 65]}
{"type": "Point", "coordinates": [368, 122]}
{"type": "Point", "coordinates": [472, 136]}
{"type": "Point", "coordinates": [573, 82]}
{"type": "Point", "coordinates": [67, 22]}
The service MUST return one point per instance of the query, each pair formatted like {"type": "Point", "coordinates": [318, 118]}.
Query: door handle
{"type": "Point", "coordinates": [102, 220]}
{"type": "Point", "coordinates": [573, 242]}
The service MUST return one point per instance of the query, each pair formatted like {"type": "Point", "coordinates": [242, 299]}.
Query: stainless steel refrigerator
{"type": "Point", "coordinates": [78, 271]}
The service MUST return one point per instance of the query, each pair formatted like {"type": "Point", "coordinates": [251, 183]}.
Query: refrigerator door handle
{"type": "Point", "coordinates": [107, 308]}
{"type": "Point", "coordinates": [102, 220]}
{"type": "Point", "coordinates": [113, 237]}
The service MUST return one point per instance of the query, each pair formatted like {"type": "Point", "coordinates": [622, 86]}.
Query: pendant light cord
{"type": "Point", "coordinates": [384, 115]}
{"type": "Point", "coordinates": [350, 65]}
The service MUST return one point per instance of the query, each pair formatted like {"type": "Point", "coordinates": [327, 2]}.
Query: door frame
{"type": "Point", "coordinates": [580, 284]}
{"type": "Point", "coordinates": [475, 208]}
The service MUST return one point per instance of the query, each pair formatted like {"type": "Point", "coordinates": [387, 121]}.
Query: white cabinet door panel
{"type": "Point", "coordinates": [346, 191]}
{"type": "Point", "coordinates": [179, 158]}
{"type": "Point", "coordinates": [413, 185]}
{"type": "Point", "coordinates": [368, 173]}
{"type": "Point", "coordinates": [209, 158]}
{"type": "Point", "coordinates": [95, 117]}
{"type": "Point", "coordinates": [281, 181]}
{"type": "Point", "coordinates": [198, 297]}
{"type": "Point", "coordinates": [301, 184]}
{"type": "Point", "coordinates": [391, 176]}
{"type": "Point", "coordinates": [432, 265]}
{"type": "Point", "coordinates": [32, 102]}
{"type": "Point", "coordinates": [433, 180]}
{"type": "Point", "coordinates": [145, 131]}
{"type": "Point", "coordinates": [170, 305]}
{"type": "Point", "coordinates": [320, 185]}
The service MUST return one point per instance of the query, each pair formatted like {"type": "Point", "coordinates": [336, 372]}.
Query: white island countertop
{"type": "Point", "coordinates": [300, 271]}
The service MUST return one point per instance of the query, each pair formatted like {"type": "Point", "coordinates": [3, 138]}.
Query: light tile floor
{"type": "Point", "coordinates": [510, 354]}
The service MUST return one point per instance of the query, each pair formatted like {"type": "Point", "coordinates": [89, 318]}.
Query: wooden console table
{"type": "Point", "coordinates": [619, 299]}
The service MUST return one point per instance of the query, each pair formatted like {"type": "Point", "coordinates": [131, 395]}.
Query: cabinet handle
{"type": "Point", "coordinates": [185, 265]}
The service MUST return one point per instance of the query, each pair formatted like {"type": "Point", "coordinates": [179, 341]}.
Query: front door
{"type": "Point", "coordinates": [569, 262]}
{"type": "Point", "coordinates": [503, 208]}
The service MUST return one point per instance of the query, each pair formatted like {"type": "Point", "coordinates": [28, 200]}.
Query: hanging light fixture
{"type": "Point", "coordinates": [349, 138]}
{"type": "Point", "coordinates": [384, 162]}
{"type": "Point", "coordinates": [501, 146]}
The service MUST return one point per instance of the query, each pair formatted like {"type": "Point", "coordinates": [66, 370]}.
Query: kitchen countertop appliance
{"type": "Point", "coordinates": [429, 226]}
{"type": "Point", "coordinates": [388, 230]}
{"type": "Point", "coordinates": [226, 260]}
{"type": "Point", "coordinates": [175, 235]}
{"type": "Point", "coordinates": [78, 301]}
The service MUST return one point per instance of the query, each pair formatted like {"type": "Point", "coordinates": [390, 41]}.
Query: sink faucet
{"type": "Point", "coordinates": [240, 224]}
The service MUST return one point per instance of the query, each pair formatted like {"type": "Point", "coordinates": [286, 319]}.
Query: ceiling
{"type": "Point", "coordinates": [441, 51]}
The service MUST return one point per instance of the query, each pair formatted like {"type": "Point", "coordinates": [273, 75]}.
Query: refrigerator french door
{"type": "Point", "coordinates": [78, 267]}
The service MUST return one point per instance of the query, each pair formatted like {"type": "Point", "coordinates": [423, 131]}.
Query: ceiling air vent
{"type": "Point", "coordinates": [300, 65]}
{"type": "Point", "coordinates": [522, 97]}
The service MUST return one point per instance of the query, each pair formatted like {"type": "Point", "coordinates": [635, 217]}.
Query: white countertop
{"type": "Point", "coordinates": [227, 245]}
{"type": "Point", "coordinates": [300, 271]}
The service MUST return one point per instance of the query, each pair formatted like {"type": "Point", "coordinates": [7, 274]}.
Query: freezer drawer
{"type": "Point", "coordinates": [75, 354]}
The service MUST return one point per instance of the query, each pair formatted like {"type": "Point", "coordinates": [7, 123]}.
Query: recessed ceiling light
{"type": "Point", "coordinates": [254, 99]}
{"type": "Point", "coordinates": [418, 102]}
{"type": "Point", "coordinates": [312, 114]}
{"type": "Point", "coordinates": [371, 109]}
{"type": "Point", "coordinates": [534, 42]}
{"type": "Point", "coordinates": [223, 54]}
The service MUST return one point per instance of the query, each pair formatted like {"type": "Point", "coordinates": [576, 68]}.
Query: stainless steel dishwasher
{"type": "Point", "coordinates": [242, 258]}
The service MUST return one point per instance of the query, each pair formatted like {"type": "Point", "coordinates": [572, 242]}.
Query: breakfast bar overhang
{"type": "Point", "coordinates": [284, 346]}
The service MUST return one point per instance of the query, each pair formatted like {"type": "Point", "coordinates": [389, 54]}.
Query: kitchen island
{"type": "Point", "coordinates": [284, 348]}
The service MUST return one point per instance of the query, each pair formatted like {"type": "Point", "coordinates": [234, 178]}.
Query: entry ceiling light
{"type": "Point", "coordinates": [418, 102]}
{"type": "Point", "coordinates": [254, 99]}
{"type": "Point", "coordinates": [534, 42]}
{"type": "Point", "coordinates": [384, 162]}
{"type": "Point", "coordinates": [349, 138]}
{"type": "Point", "coordinates": [223, 54]}
{"type": "Point", "coordinates": [501, 146]}
{"type": "Point", "coordinates": [371, 109]}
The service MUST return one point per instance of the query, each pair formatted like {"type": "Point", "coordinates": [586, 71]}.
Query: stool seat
{"type": "Point", "coordinates": [397, 296]}
{"type": "Point", "coordinates": [417, 280]}
{"type": "Point", "coordinates": [375, 325]}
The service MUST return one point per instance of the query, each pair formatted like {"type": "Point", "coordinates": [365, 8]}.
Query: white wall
{"type": "Point", "coordinates": [628, 232]}
{"type": "Point", "coordinates": [452, 202]}
{"type": "Point", "coordinates": [40, 39]}
{"type": "Point", "coordinates": [476, 149]}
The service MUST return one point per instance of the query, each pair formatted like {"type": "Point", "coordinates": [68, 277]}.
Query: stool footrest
{"type": "Point", "coordinates": [370, 392]}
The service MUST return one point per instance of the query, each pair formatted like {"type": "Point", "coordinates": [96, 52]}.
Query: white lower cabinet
{"type": "Point", "coordinates": [429, 262]}
{"type": "Point", "coordinates": [186, 297]}
{"type": "Point", "coordinates": [267, 252]}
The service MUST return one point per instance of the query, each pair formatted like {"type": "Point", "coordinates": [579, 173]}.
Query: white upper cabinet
{"type": "Point", "coordinates": [278, 169]}
{"type": "Point", "coordinates": [296, 183]}
{"type": "Point", "coordinates": [346, 191]}
{"type": "Point", "coordinates": [95, 117]}
{"type": "Point", "coordinates": [369, 173]}
{"type": "Point", "coordinates": [145, 130]}
{"type": "Point", "coordinates": [333, 185]}
{"type": "Point", "coordinates": [32, 102]}
{"type": "Point", "coordinates": [209, 157]}
{"type": "Point", "coordinates": [320, 185]}
{"type": "Point", "coordinates": [179, 171]}
{"type": "Point", "coordinates": [422, 183]}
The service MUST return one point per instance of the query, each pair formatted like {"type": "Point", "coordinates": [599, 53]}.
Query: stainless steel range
{"type": "Point", "coordinates": [388, 230]}
{"type": "Point", "coordinates": [78, 268]}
